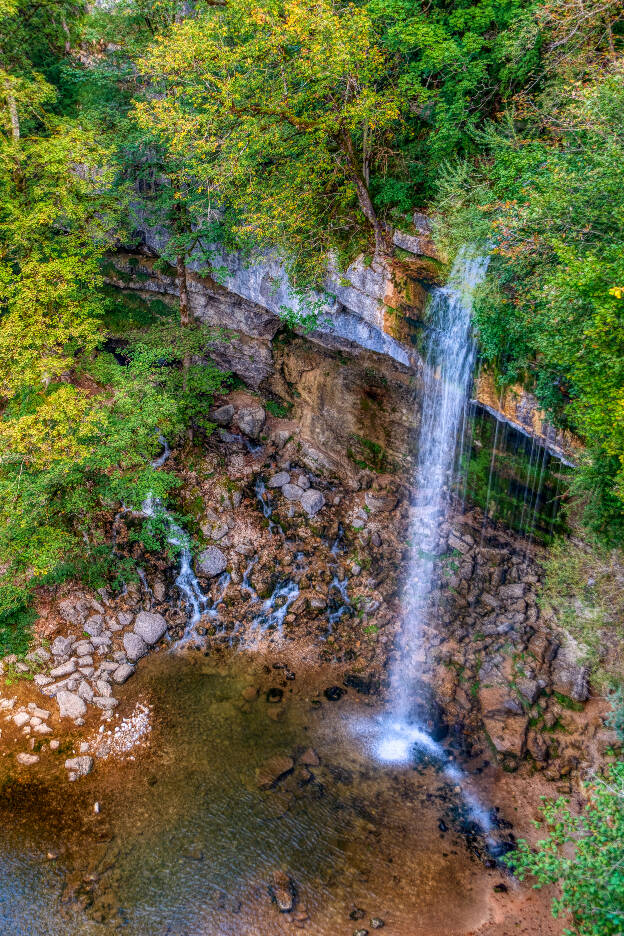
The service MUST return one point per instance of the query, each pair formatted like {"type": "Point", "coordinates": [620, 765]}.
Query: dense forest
{"type": "Point", "coordinates": [315, 130]}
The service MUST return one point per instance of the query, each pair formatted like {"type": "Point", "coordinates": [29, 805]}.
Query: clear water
{"type": "Point", "coordinates": [186, 843]}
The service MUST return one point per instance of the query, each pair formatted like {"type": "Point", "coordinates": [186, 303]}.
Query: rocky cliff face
{"type": "Point", "coordinates": [350, 388]}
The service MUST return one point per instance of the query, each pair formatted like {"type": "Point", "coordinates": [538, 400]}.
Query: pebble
{"type": "Point", "coordinates": [21, 719]}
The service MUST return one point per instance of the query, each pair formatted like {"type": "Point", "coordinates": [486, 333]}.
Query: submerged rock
{"type": "Point", "coordinates": [27, 759]}
{"type": "Point", "coordinates": [272, 771]}
{"type": "Point", "coordinates": [334, 693]}
{"type": "Point", "coordinates": [283, 891]}
{"type": "Point", "coordinates": [80, 766]}
{"type": "Point", "coordinates": [310, 758]}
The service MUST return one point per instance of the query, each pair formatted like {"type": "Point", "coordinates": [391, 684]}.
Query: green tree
{"type": "Point", "coordinates": [582, 854]}
{"type": "Point", "coordinates": [280, 110]}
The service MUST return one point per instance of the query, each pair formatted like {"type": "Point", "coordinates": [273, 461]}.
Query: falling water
{"type": "Point", "coordinates": [447, 376]}
{"type": "Point", "coordinates": [196, 601]}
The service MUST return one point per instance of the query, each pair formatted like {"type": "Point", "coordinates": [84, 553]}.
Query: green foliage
{"type": "Point", "coordinates": [583, 588]}
{"type": "Point", "coordinates": [278, 111]}
{"type": "Point", "coordinates": [582, 854]}
{"type": "Point", "coordinates": [615, 719]}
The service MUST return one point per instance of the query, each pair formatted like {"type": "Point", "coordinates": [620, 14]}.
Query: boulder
{"type": "Point", "coordinates": [151, 627]}
{"type": "Point", "coordinates": [310, 758]}
{"type": "Point", "coordinates": [106, 703]}
{"type": "Point", "coordinates": [292, 492]}
{"type": "Point", "coordinates": [122, 673]}
{"type": "Point", "coordinates": [65, 669]}
{"type": "Point", "coordinates": [94, 626]}
{"type": "Point", "coordinates": [569, 677]}
{"type": "Point", "coordinates": [279, 479]}
{"type": "Point", "coordinates": [512, 592]}
{"type": "Point", "coordinates": [134, 646]}
{"type": "Point", "coordinates": [72, 611]}
{"type": "Point", "coordinates": [312, 501]}
{"type": "Point", "coordinates": [211, 561]}
{"type": "Point", "coordinates": [223, 415]}
{"type": "Point", "coordinates": [85, 691]}
{"type": "Point", "coordinates": [378, 501]}
{"type": "Point", "coordinates": [250, 420]}
{"type": "Point", "coordinates": [61, 646]}
{"type": "Point", "coordinates": [508, 735]}
{"type": "Point", "coordinates": [70, 705]}
{"type": "Point", "coordinates": [83, 648]}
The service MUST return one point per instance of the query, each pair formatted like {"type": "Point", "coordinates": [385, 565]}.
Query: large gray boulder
{"type": "Point", "coordinates": [151, 627]}
{"type": "Point", "coordinates": [292, 492]}
{"type": "Point", "coordinates": [212, 561]}
{"type": "Point", "coordinates": [569, 676]}
{"type": "Point", "coordinates": [135, 647]}
{"type": "Point", "coordinates": [312, 501]}
{"type": "Point", "coordinates": [250, 420]}
{"type": "Point", "coordinates": [70, 705]}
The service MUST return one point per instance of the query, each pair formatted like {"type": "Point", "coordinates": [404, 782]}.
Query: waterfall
{"type": "Point", "coordinates": [447, 375]}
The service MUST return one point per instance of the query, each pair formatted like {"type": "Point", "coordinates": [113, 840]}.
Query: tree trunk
{"type": "Point", "coordinates": [13, 115]}
{"type": "Point", "coordinates": [185, 315]}
{"type": "Point", "coordinates": [383, 242]}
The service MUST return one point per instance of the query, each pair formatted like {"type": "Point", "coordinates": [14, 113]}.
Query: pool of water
{"type": "Point", "coordinates": [187, 842]}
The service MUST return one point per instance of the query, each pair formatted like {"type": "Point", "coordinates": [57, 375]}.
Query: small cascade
{"type": "Point", "coordinates": [197, 602]}
{"type": "Point", "coordinates": [338, 601]}
{"type": "Point", "coordinates": [512, 476]}
{"type": "Point", "coordinates": [263, 497]}
{"type": "Point", "coordinates": [275, 608]}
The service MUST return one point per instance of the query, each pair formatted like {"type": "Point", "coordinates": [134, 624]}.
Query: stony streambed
{"type": "Point", "coordinates": [242, 800]}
